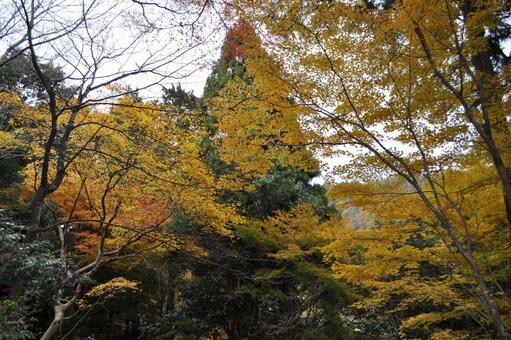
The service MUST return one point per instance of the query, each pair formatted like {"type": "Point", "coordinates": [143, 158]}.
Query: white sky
{"type": "Point", "coordinates": [120, 36]}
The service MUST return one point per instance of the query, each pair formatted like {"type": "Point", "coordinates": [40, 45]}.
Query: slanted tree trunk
{"type": "Point", "coordinates": [59, 315]}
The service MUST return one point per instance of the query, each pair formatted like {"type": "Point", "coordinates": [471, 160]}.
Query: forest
{"type": "Point", "coordinates": [255, 169]}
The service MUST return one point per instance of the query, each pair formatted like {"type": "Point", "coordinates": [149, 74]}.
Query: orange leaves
{"type": "Point", "coordinates": [127, 170]}
{"type": "Point", "coordinates": [240, 39]}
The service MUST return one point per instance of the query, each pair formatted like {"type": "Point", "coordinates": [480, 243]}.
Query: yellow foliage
{"type": "Point", "coordinates": [257, 120]}
{"type": "Point", "coordinates": [116, 287]}
{"type": "Point", "coordinates": [406, 254]}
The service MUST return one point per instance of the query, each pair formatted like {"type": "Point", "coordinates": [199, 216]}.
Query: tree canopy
{"type": "Point", "coordinates": [344, 174]}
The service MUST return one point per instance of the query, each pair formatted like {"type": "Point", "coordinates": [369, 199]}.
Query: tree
{"type": "Point", "coordinates": [135, 168]}
{"type": "Point", "coordinates": [413, 89]}
{"type": "Point", "coordinates": [256, 119]}
{"type": "Point", "coordinates": [65, 111]}
{"type": "Point", "coordinates": [403, 262]}
{"type": "Point", "coordinates": [87, 63]}
{"type": "Point", "coordinates": [18, 77]}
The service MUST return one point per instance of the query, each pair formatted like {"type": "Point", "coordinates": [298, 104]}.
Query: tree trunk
{"type": "Point", "coordinates": [35, 217]}
{"type": "Point", "coordinates": [486, 297]}
{"type": "Point", "coordinates": [58, 317]}
{"type": "Point", "coordinates": [486, 84]}
{"type": "Point", "coordinates": [170, 295]}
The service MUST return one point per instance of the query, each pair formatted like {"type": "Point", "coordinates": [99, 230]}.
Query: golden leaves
{"type": "Point", "coordinates": [258, 124]}
{"type": "Point", "coordinates": [116, 287]}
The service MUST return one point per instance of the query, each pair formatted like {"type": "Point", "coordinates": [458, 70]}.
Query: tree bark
{"type": "Point", "coordinates": [486, 86]}
{"type": "Point", "coordinates": [53, 328]}
{"type": "Point", "coordinates": [170, 295]}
